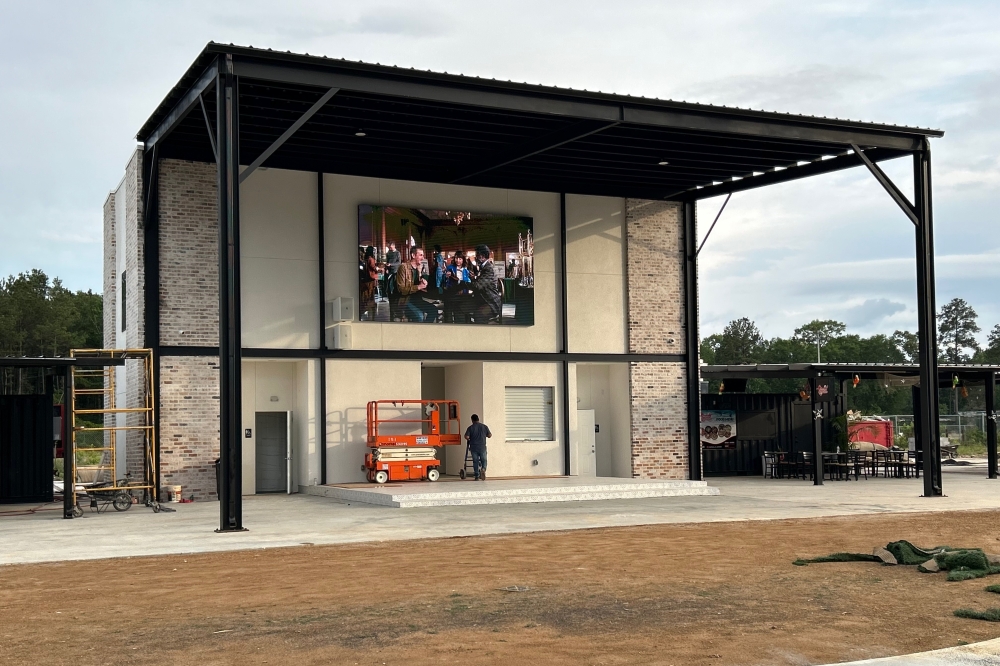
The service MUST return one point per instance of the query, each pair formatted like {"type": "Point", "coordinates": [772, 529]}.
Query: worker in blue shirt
{"type": "Point", "coordinates": [476, 435]}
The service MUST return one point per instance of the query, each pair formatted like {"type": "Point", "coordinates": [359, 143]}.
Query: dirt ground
{"type": "Point", "coordinates": [723, 593]}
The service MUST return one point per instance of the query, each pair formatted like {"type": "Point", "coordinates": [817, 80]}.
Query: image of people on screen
{"type": "Point", "coordinates": [435, 266]}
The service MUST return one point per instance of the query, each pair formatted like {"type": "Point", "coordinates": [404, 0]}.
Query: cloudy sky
{"type": "Point", "coordinates": [78, 80]}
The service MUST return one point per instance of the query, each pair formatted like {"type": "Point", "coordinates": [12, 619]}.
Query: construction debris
{"type": "Point", "coordinates": [885, 556]}
{"type": "Point", "coordinates": [960, 563]}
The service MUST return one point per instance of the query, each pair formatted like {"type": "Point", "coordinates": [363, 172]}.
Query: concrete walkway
{"type": "Point", "coordinates": [291, 520]}
{"type": "Point", "coordinates": [986, 653]}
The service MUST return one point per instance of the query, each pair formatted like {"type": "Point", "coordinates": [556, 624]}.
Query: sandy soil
{"type": "Point", "coordinates": [723, 593]}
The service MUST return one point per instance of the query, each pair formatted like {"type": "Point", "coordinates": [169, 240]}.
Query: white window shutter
{"type": "Point", "coordinates": [529, 413]}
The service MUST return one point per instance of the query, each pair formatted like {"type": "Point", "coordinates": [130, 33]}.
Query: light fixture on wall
{"type": "Point", "coordinates": [663, 163]}
{"type": "Point", "coordinates": [360, 132]}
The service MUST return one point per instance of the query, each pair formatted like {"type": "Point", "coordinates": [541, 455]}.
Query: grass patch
{"type": "Point", "coordinates": [995, 589]}
{"type": "Point", "coordinates": [963, 560]}
{"type": "Point", "coordinates": [837, 557]}
{"type": "Point", "coordinates": [990, 614]}
{"type": "Point", "coordinates": [906, 553]}
{"type": "Point", "coordinates": [971, 450]}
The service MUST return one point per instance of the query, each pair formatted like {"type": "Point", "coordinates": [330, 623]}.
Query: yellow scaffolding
{"type": "Point", "coordinates": [90, 383]}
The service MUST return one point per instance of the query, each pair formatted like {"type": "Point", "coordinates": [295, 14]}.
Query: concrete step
{"type": "Point", "coordinates": [506, 492]}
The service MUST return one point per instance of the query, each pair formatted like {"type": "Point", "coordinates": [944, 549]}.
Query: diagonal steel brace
{"type": "Point", "coordinates": [890, 187]}
{"type": "Point", "coordinates": [288, 133]}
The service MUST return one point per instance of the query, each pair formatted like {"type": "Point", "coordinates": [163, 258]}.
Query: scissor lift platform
{"type": "Point", "coordinates": [399, 456]}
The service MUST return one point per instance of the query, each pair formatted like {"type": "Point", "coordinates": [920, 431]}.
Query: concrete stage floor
{"type": "Point", "coordinates": [518, 490]}
{"type": "Point", "coordinates": [291, 520]}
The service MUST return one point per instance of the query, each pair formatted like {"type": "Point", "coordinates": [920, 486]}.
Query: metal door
{"type": "Point", "coordinates": [586, 443]}
{"type": "Point", "coordinates": [802, 427]}
{"type": "Point", "coordinates": [25, 448]}
{"type": "Point", "coordinates": [273, 452]}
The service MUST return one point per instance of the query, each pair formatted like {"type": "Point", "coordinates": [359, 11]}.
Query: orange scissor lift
{"type": "Point", "coordinates": [409, 457]}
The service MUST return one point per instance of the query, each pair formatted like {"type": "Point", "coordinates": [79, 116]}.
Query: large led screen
{"type": "Point", "coordinates": [445, 267]}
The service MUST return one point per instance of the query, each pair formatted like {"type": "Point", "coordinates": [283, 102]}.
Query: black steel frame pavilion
{"type": "Point", "coordinates": [55, 366]}
{"type": "Point", "coordinates": [889, 372]}
{"type": "Point", "coordinates": [239, 106]}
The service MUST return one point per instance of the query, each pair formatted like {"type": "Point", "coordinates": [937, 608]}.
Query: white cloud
{"type": "Point", "coordinates": [79, 80]}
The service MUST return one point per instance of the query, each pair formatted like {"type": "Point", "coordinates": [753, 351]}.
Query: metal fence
{"type": "Point", "coordinates": [953, 426]}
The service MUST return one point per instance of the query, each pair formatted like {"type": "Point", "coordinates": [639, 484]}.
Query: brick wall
{"type": "Point", "coordinates": [659, 420]}
{"type": "Point", "coordinates": [654, 230]}
{"type": "Point", "coordinates": [110, 272]}
{"type": "Point", "coordinates": [189, 254]}
{"type": "Point", "coordinates": [135, 392]}
{"type": "Point", "coordinates": [108, 297]}
{"type": "Point", "coordinates": [189, 424]}
{"type": "Point", "coordinates": [655, 277]}
{"type": "Point", "coordinates": [134, 269]}
{"type": "Point", "coordinates": [189, 316]}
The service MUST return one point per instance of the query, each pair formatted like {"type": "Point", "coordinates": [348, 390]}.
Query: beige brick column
{"type": "Point", "coordinates": [135, 310]}
{"type": "Point", "coordinates": [189, 254]}
{"type": "Point", "coordinates": [189, 423]}
{"type": "Point", "coordinates": [656, 326]}
{"type": "Point", "coordinates": [189, 316]}
{"type": "Point", "coordinates": [110, 272]}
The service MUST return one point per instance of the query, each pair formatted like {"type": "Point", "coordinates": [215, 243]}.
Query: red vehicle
{"type": "Point", "coordinates": [407, 456]}
{"type": "Point", "coordinates": [877, 432]}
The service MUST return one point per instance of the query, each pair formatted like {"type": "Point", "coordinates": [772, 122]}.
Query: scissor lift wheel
{"type": "Point", "coordinates": [381, 476]}
{"type": "Point", "coordinates": [433, 474]}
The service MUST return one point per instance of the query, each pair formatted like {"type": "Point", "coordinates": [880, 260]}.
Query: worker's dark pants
{"type": "Point", "coordinates": [478, 459]}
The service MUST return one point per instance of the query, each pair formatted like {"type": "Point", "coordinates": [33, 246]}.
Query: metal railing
{"type": "Point", "coordinates": [953, 426]}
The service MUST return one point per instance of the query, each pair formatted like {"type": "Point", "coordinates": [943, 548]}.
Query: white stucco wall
{"type": "Point", "coordinates": [351, 385]}
{"type": "Point", "coordinates": [293, 383]}
{"type": "Point", "coordinates": [279, 259]}
{"type": "Point", "coordinates": [279, 264]}
{"type": "Point", "coordinates": [595, 274]}
{"type": "Point", "coordinates": [516, 458]}
{"type": "Point", "coordinates": [604, 388]}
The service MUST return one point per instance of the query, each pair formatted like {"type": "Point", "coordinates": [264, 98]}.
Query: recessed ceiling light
{"type": "Point", "coordinates": [663, 163]}
{"type": "Point", "coordinates": [360, 132]}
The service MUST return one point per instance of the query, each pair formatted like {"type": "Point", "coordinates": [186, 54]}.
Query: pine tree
{"type": "Point", "coordinates": [741, 343]}
{"type": "Point", "coordinates": [818, 332]}
{"type": "Point", "coordinates": [908, 345]}
{"type": "Point", "coordinates": [957, 327]}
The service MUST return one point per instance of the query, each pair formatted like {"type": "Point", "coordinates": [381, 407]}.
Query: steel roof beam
{"type": "Point", "coordinates": [774, 176]}
{"type": "Point", "coordinates": [183, 107]}
{"type": "Point", "coordinates": [532, 147]}
{"type": "Point", "coordinates": [475, 95]}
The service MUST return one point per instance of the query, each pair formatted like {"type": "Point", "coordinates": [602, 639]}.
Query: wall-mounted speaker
{"type": "Point", "coordinates": [342, 336]}
{"type": "Point", "coordinates": [342, 309]}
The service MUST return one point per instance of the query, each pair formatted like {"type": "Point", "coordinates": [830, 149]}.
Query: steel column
{"type": "Point", "coordinates": [69, 483]}
{"type": "Point", "coordinates": [691, 339]}
{"type": "Point", "coordinates": [151, 287]}
{"type": "Point", "coordinates": [926, 323]}
{"type": "Point", "coordinates": [322, 327]}
{"type": "Point", "coordinates": [991, 425]}
{"type": "Point", "coordinates": [230, 347]}
{"type": "Point", "coordinates": [817, 415]}
{"type": "Point", "coordinates": [564, 332]}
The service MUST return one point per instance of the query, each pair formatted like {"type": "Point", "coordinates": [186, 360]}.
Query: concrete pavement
{"type": "Point", "coordinates": [291, 520]}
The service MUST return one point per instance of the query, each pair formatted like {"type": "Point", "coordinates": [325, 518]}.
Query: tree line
{"type": "Point", "coordinates": [41, 317]}
{"type": "Point", "coordinates": [741, 343]}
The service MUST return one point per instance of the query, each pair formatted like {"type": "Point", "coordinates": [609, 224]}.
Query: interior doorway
{"type": "Point", "coordinates": [273, 450]}
{"type": "Point", "coordinates": [586, 442]}
{"type": "Point", "coordinates": [602, 440]}
{"type": "Point", "coordinates": [432, 387]}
